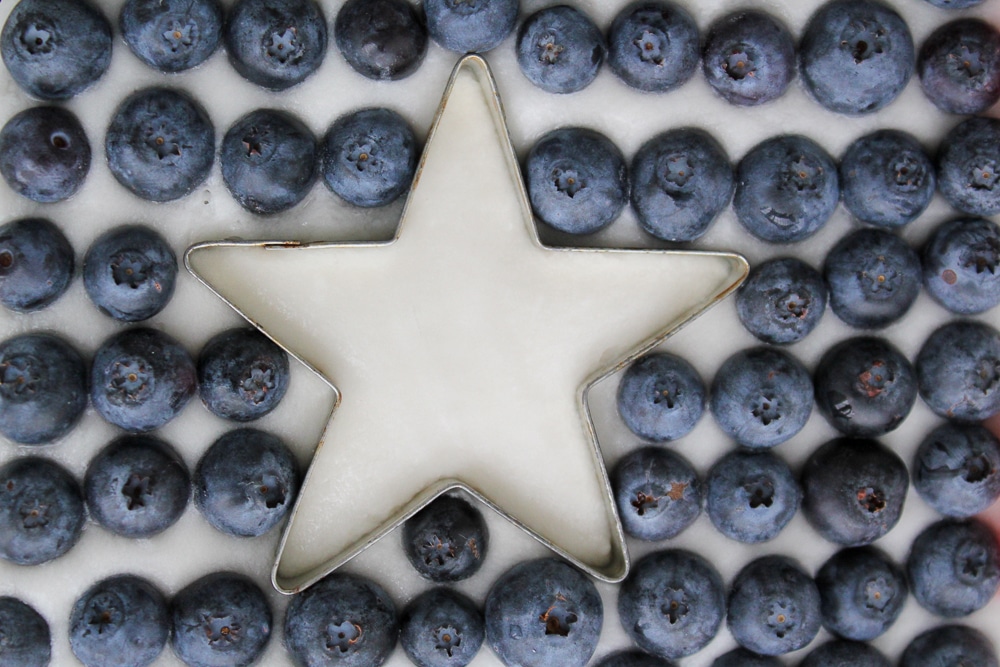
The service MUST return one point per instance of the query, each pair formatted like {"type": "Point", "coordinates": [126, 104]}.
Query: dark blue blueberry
{"type": "Point", "coordinates": [447, 540]}
{"type": "Point", "coordinates": [786, 189]}
{"type": "Point", "coordinates": [559, 49]}
{"type": "Point", "coordinates": [773, 606]}
{"type": "Point", "coordinates": [121, 621]}
{"type": "Point", "coordinates": [959, 66]}
{"type": "Point", "coordinates": [862, 593]}
{"type": "Point", "coordinates": [682, 180]}
{"type": "Point", "coordinates": [968, 164]}
{"type": "Point", "coordinates": [160, 144]}
{"type": "Point", "coordinates": [343, 620]}
{"type": "Point", "coordinates": [956, 469]}
{"type": "Point", "coordinates": [955, 4]}
{"type": "Point", "coordinates": [577, 180]}
{"type": "Point", "coordinates": [172, 35]}
{"type": "Point", "coordinates": [269, 161]}
{"type": "Point", "coordinates": [441, 628]}
{"type": "Point", "coordinates": [657, 492]}
{"type": "Point", "coordinates": [741, 657]}
{"type": "Point", "coordinates": [853, 490]}
{"type": "Point", "coordinates": [749, 57]}
{"type": "Point", "coordinates": [246, 482]}
{"type": "Point", "coordinates": [842, 653]}
{"type": "Point", "coordinates": [543, 612]}
{"type": "Point", "coordinates": [242, 375]}
{"type": "Point", "coordinates": [653, 46]}
{"type": "Point", "coordinates": [466, 26]}
{"type": "Point", "coordinates": [43, 388]}
{"type": "Point", "coordinates": [781, 301]}
{"type": "Point", "coordinates": [672, 603]}
{"type": "Point", "coordinates": [661, 397]}
{"type": "Point", "coordinates": [44, 154]}
{"type": "Point", "coordinates": [961, 265]}
{"type": "Point", "coordinates": [958, 371]}
{"type": "Point", "coordinates": [129, 273]}
{"type": "Point", "coordinates": [381, 39]}
{"type": "Point", "coordinates": [761, 397]}
{"type": "Point", "coordinates": [865, 387]}
{"type": "Point", "coordinates": [275, 43]}
{"type": "Point", "coordinates": [55, 48]}
{"type": "Point", "coordinates": [950, 645]}
{"type": "Point", "coordinates": [873, 277]}
{"type": "Point", "coordinates": [140, 379]}
{"type": "Point", "coordinates": [36, 264]}
{"type": "Point", "coordinates": [887, 178]}
{"type": "Point", "coordinates": [137, 486]}
{"type": "Point", "coordinates": [222, 618]}
{"type": "Point", "coordinates": [856, 56]}
{"type": "Point", "coordinates": [954, 567]}
{"type": "Point", "coordinates": [25, 640]}
{"type": "Point", "coordinates": [41, 511]}
{"type": "Point", "coordinates": [632, 659]}
{"type": "Point", "coordinates": [369, 157]}
{"type": "Point", "coordinates": [751, 495]}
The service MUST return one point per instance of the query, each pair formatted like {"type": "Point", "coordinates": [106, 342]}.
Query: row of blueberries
{"type": "Point", "coordinates": [855, 56]}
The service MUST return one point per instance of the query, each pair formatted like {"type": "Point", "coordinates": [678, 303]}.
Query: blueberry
{"type": "Point", "coordinates": [955, 4]}
{"type": "Point", "coordinates": [682, 180]}
{"type": "Point", "coordinates": [887, 179]}
{"type": "Point", "coordinates": [275, 43]}
{"type": "Point", "coordinates": [954, 567]}
{"type": "Point", "coordinates": [853, 490]}
{"type": "Point", "coordinates": [559, 49]}
{"type": "Point", "coordinates": [222, 618]}
{"type": "Point", "coordinates": [447, 540]}
{"type": "Point", "coordinates": [842, 653]}
{"type": "Point", "coordinates": [441, 628]}
{"type": "Point", "coordinates": [543, 612]}
{"type": "Point", "coordinates": [381, 39]}
{"type": "Point", "coordinates": [856, 56]}
{"type": "Point", "coordinates": [740, 657]}
{"type": "Point", "coordinates": [343, 620]}
{"type": "Point", "coordinates": [773, 606]}
{"type": "Point", "coordinates": [751, 495]}
{"type": "Point", "coordinates": [968, 164]}
{"type": "Point", "coordinates": [657, 492]}
{"type": "Point", "coordinates": [961, 265]}
{"type": "Point", "coordinates": [160, 144]}
{"type": "Point", "coordinates": [956, 469]}
{"type": "Point", "coordinates": [959, 66]}
{"type": "Point", "coordinates": [661, 397]}
{"type": "Point", "coordinates": [653, 46]}
{"type": "Point", "coordinates": [577, 180]}
{"type": "Point", "coordinates": [761, 397]}
{"type": "Point", "coordinates": [137, 486]}
{"type": "Point", "coordinates": [958, 371]}
{"type": "Point", "coordinates": [36, 264]}
{"type": "Point", "coordinates": [632, 659]}
{"type": "Point", "coordinates": [41, 511]}
{"type": "Point", "coordinates": [246, 482]}
{"type": "Point", "coordinates": [672, 603]}
{"type": "Point", "coordinates": [55, 48]}
{"type": "Point", "coordinates": [140, 379]}
{"type": "Point", "coordinates": [121, 621]}
{"type": "Point", "coordinates": [129, 273]}
{"type": "Point", "coordinates": [172, 35]}
{"type": "Point", "coordinates": [873, 277]}
{"type": "Point", "coordinates": [269, 161]}
{"type": "Point", "coordinates": [26, 640]}
{"type": "Point", "coordinates": [865, 387]}
{"type": "Point", "coordinates": [242, 375]}
{"type": "Point", "coordinates": [862, 593]}
{"type": "Point", "coordinates": [781, 301]}
{"type": "Point", "coordinates": [950, 645]}
{"type": "Point", "coordinates": [43, 388]}
{"type": "Point", "coordinates": [44, 154]}
{"type": "Point", "coordinates": [477, 26]}
{"type": "Point", "coordinates": [369, 157]}
{"type": "Point", "coordinates": [786, 189]}
{"type": "Point", "coordinates": [749, 57]}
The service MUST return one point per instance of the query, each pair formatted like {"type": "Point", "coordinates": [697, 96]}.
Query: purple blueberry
{"type": "Point", "coordinates": [41, 511]}
{"type": "Point", "coordinates": [959, 66]}
{"type": "Point", "coordinates": [661, 397]}
{"type": "Point", "coordinates": [954, 567]}
{"type": "Point", "coordinates": [653, 45]}
{"type": "Point", "coordinates": [741, 657]}
{"type": "Point", "coordinates": [27, 641]}
{"type": "Point", "coordinates": [781, 301]}
{"type": "Point", "coordinates": [968, 166]}
{"type": "Point", "coordinates": [751, 495]}
{"type": "Point", "coordinates": [950, 645]}
{"type": "Point", "coordinates": [657, 492]}
{"type": "Point", "coordinates": [447, 540]}
{"type": "Point", "coordinates": [381, 39]}
{"type": "Point", "coordinates": [470, 27]}
{"type": "Point", "coordinates": [862, 592]}
{"type": "Point", "coordinates": [441, 628]}
{"type": "Point", "coordinates": [44, 154]}
{"type": "Point", "coordinates": [172, 35]}
{"type": "Point", "coordinates": [632, 658]}
{"type": "Point", "coordinates": [242, 374]}
{"type": "Point", "coordinates": [958, 371]}
{"type": "Point", "coordinates": [559, 49]}
{"type": "Point", "coordinates": [956, 469]}
{"type": "Point", "coordinates": [749, 57]}
{"type": "Point", "coordinates": [36, 264]}
{"type": "Point", "coordinates": [843, 653]}
{"type": "Point", "coordinates": [961, 265]}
